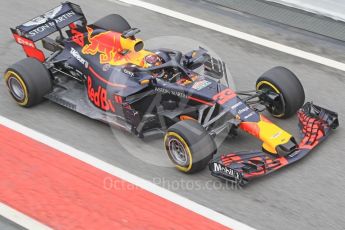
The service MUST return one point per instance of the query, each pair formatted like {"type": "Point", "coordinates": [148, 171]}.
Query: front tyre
{"type": "Point", "coordinates": [28, 81]}
{"type": "Point", "coordinates": [189, 146]}
{"type": "Point", "coordinates": [284, 83]}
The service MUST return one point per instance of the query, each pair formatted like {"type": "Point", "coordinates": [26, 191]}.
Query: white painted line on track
{"type": "Point", "coordinates": [238, 34]}
{"type": "Point", "coordinates": [124, 175]}
{"type": "Point", "coordinates": [21, 219]}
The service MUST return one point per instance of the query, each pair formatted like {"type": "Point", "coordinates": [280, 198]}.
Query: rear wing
{"type": "Point", "coordinates": [42, 26]}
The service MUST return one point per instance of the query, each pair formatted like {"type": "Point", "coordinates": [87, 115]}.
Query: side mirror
{"type": "Point", "coordinates": [195, 59]}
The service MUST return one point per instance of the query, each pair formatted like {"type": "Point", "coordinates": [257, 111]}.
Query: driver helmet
{"type": "Point", "coordinates": [153, 60]}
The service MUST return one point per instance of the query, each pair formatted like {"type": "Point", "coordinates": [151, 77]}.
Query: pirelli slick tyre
{"type": "Point", "coordinates": [28, 81]}
{"type": "Point", "coordinates": [113, 22]}
{"type": "Point", "coordinates": [285, 83]}
{"type": "Point", "coordinates": [189, 146]}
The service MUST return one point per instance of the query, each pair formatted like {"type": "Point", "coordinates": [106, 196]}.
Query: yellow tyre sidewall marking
{"type": "Point", "coordinates": [183, 169]}
{"type": "Point", "coordinates": [273, 87]}
{"type": "Point", "coordinates": [11, 73]}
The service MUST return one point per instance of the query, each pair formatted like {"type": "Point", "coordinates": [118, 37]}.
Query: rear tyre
{"type": "Point", "coordinates": [189, 146]}
{"type": "Point", "coordinates": [28, 82]}
{"type": "Point", "coordinates": [113, 22]}
{"type": "Point", "coordinates": [282, 81]}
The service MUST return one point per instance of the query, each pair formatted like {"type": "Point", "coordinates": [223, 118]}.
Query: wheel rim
{"type": "Point", "coordinates": [277, 108]}
{"type": "Point", "coordinates": [178, 151]}
{"type": "Point", "coordinates": [16, 88]}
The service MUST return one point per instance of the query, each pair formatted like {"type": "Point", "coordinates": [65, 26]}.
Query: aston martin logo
{"type": "Point", "coordinates": [42, 19]}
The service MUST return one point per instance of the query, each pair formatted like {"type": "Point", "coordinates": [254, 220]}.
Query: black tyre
{"type": "Point", "coordinates": [113, 22]}
{"type": "Point", "coordinates": [28, 81]}
{"type": "Point", "coordinates": [189, 146]}
{"type": "Point", "coordinates": [285, 83]}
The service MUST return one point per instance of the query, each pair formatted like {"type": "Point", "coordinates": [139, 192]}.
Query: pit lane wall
{"type": "Point", "coordinates": [324, 17]}
{"type": "Point", "coordinates": [334, 9]}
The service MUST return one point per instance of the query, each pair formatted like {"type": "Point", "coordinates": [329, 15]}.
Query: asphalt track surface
{"type": "Point", "coordinates": [309, 194]}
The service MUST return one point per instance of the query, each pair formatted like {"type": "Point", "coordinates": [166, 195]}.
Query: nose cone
{"type": "Point", "coordinates": [287, 148]}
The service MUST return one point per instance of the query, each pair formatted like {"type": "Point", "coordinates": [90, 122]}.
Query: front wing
{"type": "Point", "coordinates": [315, 125]}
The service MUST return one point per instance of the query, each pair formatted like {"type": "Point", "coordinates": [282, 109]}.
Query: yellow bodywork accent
{"type": "Point", "coordinates": [132, 57]}
{"type": "Point", "coordinates": [129, 44]}
{"type": "Point", "coordinates": [144, 82]}
{"type": "Point", "coordinates": [272, 135]}
{"type": "Point", "coordinates": [177, 136]}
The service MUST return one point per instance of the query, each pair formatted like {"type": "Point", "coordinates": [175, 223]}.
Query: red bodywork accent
{"type": "Point", "coordinates": [265, 119]}
{"type": "Point", "coordinates": [118, 99]}
{"type": "Point", "coordinates": [311, 130]}
{"type": "Point", "coordinates": [251, 128]}
{"type": "Point", "coordinates": [272, 164]}
{"type": "Point", "coordinates": [224, 96]}
{"type": "Point", "coordinates": [201, 101]}
{"type": "Point", "coordinates": [269, 163]}
{"type": "Point", "coordinates": [99, 97]}
{"type": "Point", "coordinates": [78, 37]}
{"type": "Point", "coordinates": [29, 48]}
{"type": "Point", "coordinates": [228, 159]}
{"type": "Point", "coordinates": [127, 106]}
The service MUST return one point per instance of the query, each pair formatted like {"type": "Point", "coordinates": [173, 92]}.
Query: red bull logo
{"type": "Point", "coordinates": [112, 47]}
{"type": "Point", "coordinates": [106, 43]}
{"type": "Point", "coordinates": [99, 97]}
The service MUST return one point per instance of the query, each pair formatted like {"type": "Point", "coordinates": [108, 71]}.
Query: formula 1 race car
{"type": "Point", "coordinates": [102, 70]}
